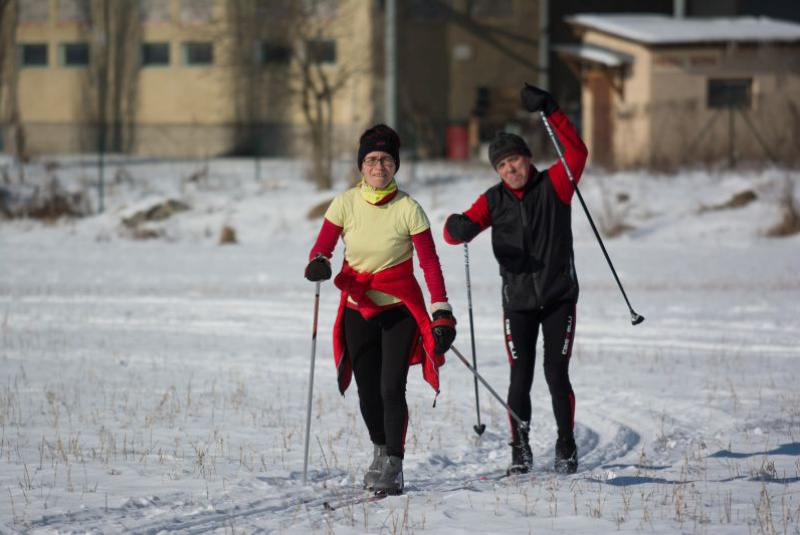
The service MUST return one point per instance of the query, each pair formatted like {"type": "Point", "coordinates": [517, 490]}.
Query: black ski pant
{"type": "Point", "coordinates": [557, 323]}
{"type": "Point", "coordinates": [380, 350]}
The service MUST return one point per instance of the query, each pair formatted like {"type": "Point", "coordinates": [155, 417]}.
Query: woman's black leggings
{"type": "Point", "coordinates": [521, 332]}
{"type": "Point", "coordinates": [380, 350]}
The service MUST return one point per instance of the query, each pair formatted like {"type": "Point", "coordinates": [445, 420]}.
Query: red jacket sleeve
{"type": "Point", "coordinates": [429, 262]}
{"type": "Point", "coordinates": [479, 213]}
{"type": "Point", "coordinates": [326, 240]}
{"type": "Point", "coordinates": [575, 153]}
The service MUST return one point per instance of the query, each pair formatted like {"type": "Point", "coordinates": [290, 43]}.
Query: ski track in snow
{"type": "Point", "coordinates": [172, 513]}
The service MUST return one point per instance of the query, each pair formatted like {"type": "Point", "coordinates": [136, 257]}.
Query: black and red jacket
{"type": "Point", "coordinates": [532, 228]}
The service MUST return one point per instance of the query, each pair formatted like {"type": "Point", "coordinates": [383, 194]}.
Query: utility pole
{"type": "Point", "coordinates": [544, 45]}
{"type": "Point", "coordinates": [390, 50]}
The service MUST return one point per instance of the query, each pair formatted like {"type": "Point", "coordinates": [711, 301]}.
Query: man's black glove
{"type": "Point", "coordinates": [461, 228]}
{"type": "Point", "coordinates": [535, 99]}
{"type": "Point", "coordinates": [319, 269]}
{"type": "Point", "coordinates": [444, 330]}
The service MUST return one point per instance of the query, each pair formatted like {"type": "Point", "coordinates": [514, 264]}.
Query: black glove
{"type": "Point", "coordinates": [444, 330]}
{"type": "Point", "coordinates": [461, 228]}
{"type": "Point", "coordinates": [535, 99]}
{"type": "Point", "coordinates": [319, 269]}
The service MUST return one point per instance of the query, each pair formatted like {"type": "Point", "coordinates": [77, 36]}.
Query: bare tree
{"type": "Point", "coordinates": [306, 34]}
{"type": "Point", "coordinates": [246, 35]}
{"type": "Point", "coordinates": [113, 73]}
{"type": "Point", "coordinates": [9, 80]}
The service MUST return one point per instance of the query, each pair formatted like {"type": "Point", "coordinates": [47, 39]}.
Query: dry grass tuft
{"type": "Point", "coordinates": [739, 200]}
{"type": "Point", "coordinates": [227, 236]}
{"type": "Point", "coordinates": [789, 224]}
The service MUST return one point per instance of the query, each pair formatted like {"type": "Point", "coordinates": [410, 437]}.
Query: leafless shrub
{"type": "Point", "coordinates": [157, 212]}
{"type": "Point", "coordinates": [789, 224]}
{"type": "Point", "coordinates": [48, 202]}
{"type": "Point", "coordinates": [146, 234]}
{"type": "Point", "coordinates": [739, 200]}
{"type": "Point", "coordinates": [227, 236]}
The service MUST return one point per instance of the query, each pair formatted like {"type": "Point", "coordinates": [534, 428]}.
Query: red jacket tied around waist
{"type": "Point", "coordinates": [399, 282]}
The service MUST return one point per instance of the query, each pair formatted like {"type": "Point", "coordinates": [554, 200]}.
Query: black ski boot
{"type": "Point", "coordinates": [374, 471]}
{"type": "Point", "coordinates": [566, 454]}
{"type": "Point", "coordinates": [521, 455]}
{"type": "Point", "coordinates": [391, 478]}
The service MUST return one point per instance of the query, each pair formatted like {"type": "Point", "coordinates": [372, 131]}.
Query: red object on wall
{"type": "Point", "coordinates": [457, 142]}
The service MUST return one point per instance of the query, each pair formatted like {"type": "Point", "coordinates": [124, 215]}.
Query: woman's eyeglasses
{"type": "Point", "coordinates": [386, 161]}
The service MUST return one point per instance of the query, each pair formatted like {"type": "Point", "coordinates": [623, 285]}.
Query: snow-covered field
{"type": "Point", "coordinates": [160, 385]}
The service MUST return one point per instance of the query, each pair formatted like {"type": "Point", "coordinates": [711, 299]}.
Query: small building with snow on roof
{"type": "Point", "coordinates": [664, 92]}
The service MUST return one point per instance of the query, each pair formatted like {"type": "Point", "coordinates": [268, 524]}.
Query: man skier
{"type": "Point", "coordinates": [530, 215]}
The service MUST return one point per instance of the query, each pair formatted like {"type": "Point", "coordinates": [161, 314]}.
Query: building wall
{"type": "Point", "coordinates": [630, 128]}
{"type": "Point", "coordinates": [684, 130]}
{"type": "Point", "coordinates": [184, 110]}
{"type": "Point", "coordinates": [448, 54]}
{"type": "Point", "coordinates": [663, 120]}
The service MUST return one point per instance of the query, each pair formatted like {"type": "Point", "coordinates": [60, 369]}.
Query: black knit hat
{"type": "Point", "coordinates": [506, 144]}
{"type": "Point", "coordinates": [379, 138]}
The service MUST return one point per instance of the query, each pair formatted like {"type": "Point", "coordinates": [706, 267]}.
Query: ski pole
{"type": "Point", "coordinates": [479, 428]}
{"type": "Point", "coordinates": [522, 425]}
{"type": "Point", "coordinates": [636, 319]}
{"type": "Point", "coordinates": [311, 381]}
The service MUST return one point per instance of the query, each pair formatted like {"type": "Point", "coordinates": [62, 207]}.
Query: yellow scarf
{"type": "Point", "coordinates": [375, 195]}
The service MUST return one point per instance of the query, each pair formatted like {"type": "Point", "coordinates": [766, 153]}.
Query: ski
{"type": "Point", "coordinates": [353, 500]}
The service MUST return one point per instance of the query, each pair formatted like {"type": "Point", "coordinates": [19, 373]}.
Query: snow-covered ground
{"type": "Point", "coordinates": [161, 385]}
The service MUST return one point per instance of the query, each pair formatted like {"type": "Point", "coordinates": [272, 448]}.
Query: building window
{"type": "Point", "coordinates": [154, 10]}
{"type": "Point", "coordinates": [33, 55]}
{"type": "Point", "coordinates": [33, 10]}
{"type": "Point", "coordinates": [321, 50]}
{"type": "Point", "coordinates": [73, 10]}
{"type": "Point", "coordinates": [75, 54]}
{"type": "Point", "coordinates": [487, 9]}
{"type": "Point", "coordinates": [324, 9]}
{"type": "Point", "coordinates": [155, 54]}
{"type": "Point", "coordinates": [730, 93]}
{"type": "Point", "coordinates": [274, 53]}
{"type": "Point", "coordinates": [197, 53]}
{"type": "Point", "coordinates": [197, 11]}
{"type": "Point", "coordinates": [270, 10]}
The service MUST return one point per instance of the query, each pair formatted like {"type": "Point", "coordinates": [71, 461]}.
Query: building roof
{"type": "Point", "coordinates": [666, 30]}
{"type": "Point", "coordinates": [595, 54]}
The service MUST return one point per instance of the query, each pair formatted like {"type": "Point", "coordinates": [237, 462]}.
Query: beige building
{"type": "Point", "coordinates": [664, 92]}
{"type": "Point", "coordinates": [210, 77]}
{"type": "Point", "coordinates": [188, 77]}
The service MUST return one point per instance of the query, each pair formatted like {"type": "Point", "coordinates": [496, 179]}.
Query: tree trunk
{"type": "Point", "coordinates": [9, 81]}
